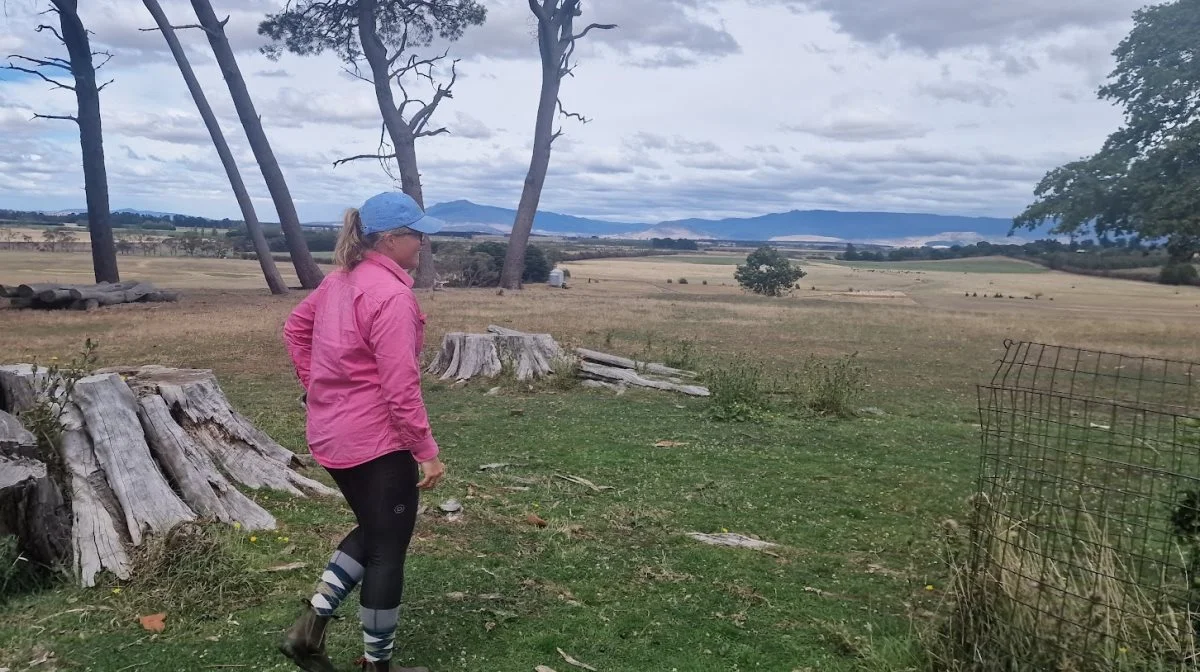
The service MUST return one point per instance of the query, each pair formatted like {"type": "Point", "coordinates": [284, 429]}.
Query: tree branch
{"type": "Point", "coordinates": [571, 115]}
{"type": "Point", "coordinates": [360, 157]}
{"type": "Point", "coordinates": [430, 134]}
{"type": "Point", "coordinates": [421, 119]}
{"type": "Point", "coordinates": [52, 30]}
{"type": "Point", "coordinates": [597, 26]}
{"type": "Point", "coordinates": [62, 117]}
{"type": "Point", "coordinates": [31, 71]}
{"type": "Point", "coordinates": [101, 87]}
{"type": "Point", "coordinates": [108, 54]}
{"type": "Point", "coordinates": [49, 62]}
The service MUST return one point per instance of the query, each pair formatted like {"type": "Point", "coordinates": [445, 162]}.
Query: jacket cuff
{"type": "Point", "coordinates": [425, 450]}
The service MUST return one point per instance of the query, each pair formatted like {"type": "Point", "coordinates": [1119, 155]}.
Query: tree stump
{"type": "Point", "coordinates": [141, 450]}
{"type": "Point", "coordinates": [466, 356]}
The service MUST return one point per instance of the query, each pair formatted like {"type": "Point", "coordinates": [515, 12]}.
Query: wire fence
{"type": "Point", "coordinates": [1086, 542]}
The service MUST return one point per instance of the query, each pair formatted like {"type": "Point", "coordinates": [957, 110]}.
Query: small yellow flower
{"type": "Point", "coordinates": [116, 591]}
{"type": "Point", "coordinates": [929, 587]}
{"type": "Point", "coordinates": [285, 540]}
{"type": "Point", "coordinates": [253, 540]}
{"type": "Point", "coordinates": [237, 525]}
{"type": "Point", "coordinates": [1122, 650]}
{"type": "Point", "coordinates": [725, 530]}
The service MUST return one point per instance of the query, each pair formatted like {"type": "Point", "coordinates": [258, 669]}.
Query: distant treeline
{"type": "Point", "coordinates": [1086, 257]}
{"type": "Point", "coordinates": [124, 220]}
{"type": "Point", "coordinates": [673, 244]}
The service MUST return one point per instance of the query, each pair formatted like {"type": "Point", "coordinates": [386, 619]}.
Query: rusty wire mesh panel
{"type": "Point", "coordinates": [1087, 530]}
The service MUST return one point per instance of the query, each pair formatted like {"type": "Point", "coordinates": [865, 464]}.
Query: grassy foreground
{"type": "Point", "coordinates": [612, 579]}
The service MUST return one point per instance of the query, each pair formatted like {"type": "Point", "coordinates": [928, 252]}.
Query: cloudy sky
{"type": "Point", "coordinates": [699, 108]}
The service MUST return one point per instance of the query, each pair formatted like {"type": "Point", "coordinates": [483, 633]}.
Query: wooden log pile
{"type": "Point", "coordinates": [465, 356]}
{"type": "Point", "coordinates": [51, 296]}
{"type": "Point", "coordinates": [141, 450]}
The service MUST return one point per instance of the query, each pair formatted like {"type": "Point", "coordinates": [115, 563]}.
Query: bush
{"type": "Point", "coordinates": [1179, 274]}
{"type": "Point", "coordinates": [474, 271]}
{"type": "Point", "coordinates": [683, 281]}
{"type": "Point", "coordinates": [767, 272]}
{"type": "Point", "coordinates": [681, 355]}
{"type": "Point", "coordinates": [833, 388]}
{"type": "Point", "coordinates": [736, 391]}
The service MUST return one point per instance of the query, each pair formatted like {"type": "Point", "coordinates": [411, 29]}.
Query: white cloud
{"type": "Point", "coordinates": [765, 106]}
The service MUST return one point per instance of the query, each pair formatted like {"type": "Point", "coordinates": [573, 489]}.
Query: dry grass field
{"type": "Point", "coordinates": [855, 503]}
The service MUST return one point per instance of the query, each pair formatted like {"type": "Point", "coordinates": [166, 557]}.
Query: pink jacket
{"type": "Point", "coordinates": [356, 344]}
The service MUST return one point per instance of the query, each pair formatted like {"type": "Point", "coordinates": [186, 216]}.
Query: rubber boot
{"type": "Point", "coordinates": [386, 666]}
{"type": "Point", "coordinates": [304, 642]}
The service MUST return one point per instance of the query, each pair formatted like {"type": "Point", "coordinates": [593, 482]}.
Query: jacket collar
{"type": "Point", "coordinates": [373, 257]}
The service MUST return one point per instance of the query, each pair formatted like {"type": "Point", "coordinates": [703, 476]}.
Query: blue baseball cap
{"type": "Point", "coordinates": [393, 210]}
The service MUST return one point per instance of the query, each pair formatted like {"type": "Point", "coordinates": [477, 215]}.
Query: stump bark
{"type": "Point", "coordinates": [465, 356]}
{"type": "Point", "coordinates": [141, 450]}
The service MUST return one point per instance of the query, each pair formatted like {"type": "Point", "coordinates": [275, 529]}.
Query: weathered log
{"type": "Point", "coordinates": [33, 509]}
{"type": "Point", "coordinates": [245, 453]}
{"type": "Point", "coordinates": [114, 294]}
{"type": "Point", "coordinates": [110, 417]}
{"type": "Point", "coordinates": [57, 295]}
{"type": "Point", "coordinates": [18, 387]}
{"type": "Point", "coordinates": [203, 486]}
{"type": "Point", "coordinates": [32, 290]}
{"type": "Point", "coordinates": [98, 532]}
{"type": "Point", "coordinates": [624, 363]}
{"type": "Point", "coordinates": [161, 296]}
{"type": "Point", "coordinates": [84, 304]}
{"type": "Point", "coordinates": [465, 356]}
{"type": "Point", "coordinates": [614, 374]}
{"type": "Point", "coordinates": [15, 440]}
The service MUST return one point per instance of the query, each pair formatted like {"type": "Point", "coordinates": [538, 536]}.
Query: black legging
{"type": "Point", "coordinates": [383, 495]}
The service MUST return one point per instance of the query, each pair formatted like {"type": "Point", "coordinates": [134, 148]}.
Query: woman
{"type": "Point", "coordinates": [356, 343]}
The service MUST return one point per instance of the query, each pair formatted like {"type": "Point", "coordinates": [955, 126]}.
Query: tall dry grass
{"type": "Point", "coordinates": [1019, 602]}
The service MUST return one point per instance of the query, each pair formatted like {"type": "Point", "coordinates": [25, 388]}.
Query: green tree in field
{"type": "Point", "coordinates": [1145, 180]}
{"type": "Point", "coordinates": [768, 272]}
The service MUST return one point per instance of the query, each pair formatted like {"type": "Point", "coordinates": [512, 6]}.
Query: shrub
{"type": "Point", "coordinates": [767, 272]}
{"type": "Point", "coordinates": [681, 355]}
{"type": "Point", "coordinates": [670, 281]}
{"type": "Point", "coordinates": [833, 388]}
{"type": "Point", "coordinates": [736, 390]}
{"type": "Point", "coordinates": [683, 281]}
{"type": "Point", "coordinates": [704, 282]}
{"type": "Point", "coordinates": [1179, 274]}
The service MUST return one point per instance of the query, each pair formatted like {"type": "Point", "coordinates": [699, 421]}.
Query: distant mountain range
{"type": "Point", "coordinates": [797, 225]}
{"type": "Point", "coordinates": [827, 226]}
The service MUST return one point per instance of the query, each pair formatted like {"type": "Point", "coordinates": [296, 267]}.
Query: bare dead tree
{"type": "Point", "coordinates": [556, 44]}
{"type": "Point", "coordinates": [80, 65]}
{"type": "Point", "coordinates": [306, 268]}
{"type": "Point", "coordinates": [254, 230]}
{"type": "Point", "coordinates": [383, 33]}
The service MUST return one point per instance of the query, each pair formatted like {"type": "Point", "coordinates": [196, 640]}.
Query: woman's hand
{"type": "Point", "coordinates": [431, 472]}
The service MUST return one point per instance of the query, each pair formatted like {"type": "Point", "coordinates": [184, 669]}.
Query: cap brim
{"type": "Point", "coordinates": [427, 225]}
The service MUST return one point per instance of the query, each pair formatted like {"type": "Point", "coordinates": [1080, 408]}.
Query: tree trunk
{"type": "Point", "coordinates": [306, 268]}
{"type": "Point", "coordinates": [539, 165]}
{"type": "Point", "coordinates": [265, 260]}
{"type": "Point", "coordinates": [91, 140]}
{"type": "Point", "coordinates": [398, 129]}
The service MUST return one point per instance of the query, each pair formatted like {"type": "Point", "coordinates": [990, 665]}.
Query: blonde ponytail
{"type": "Point", "coordinates": [352, 245]}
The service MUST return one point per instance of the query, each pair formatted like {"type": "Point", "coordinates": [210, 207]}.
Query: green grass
{"type": "Point", "coordinates": [612, 580]}
{"type": "Point", "coordinates": [989, 265]}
